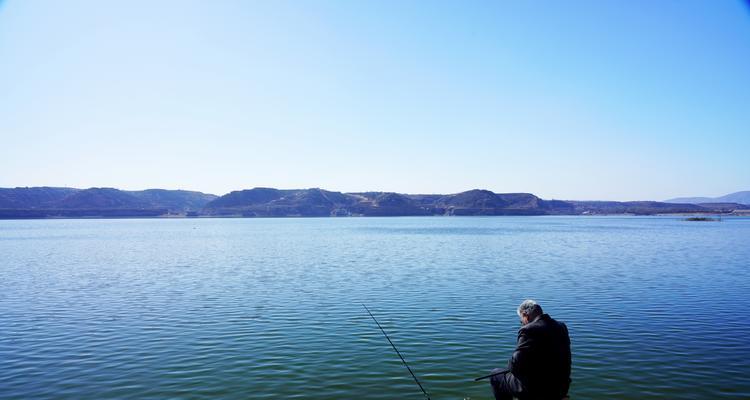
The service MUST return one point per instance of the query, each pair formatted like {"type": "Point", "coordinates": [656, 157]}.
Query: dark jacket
{"type": "Point", "coordinates": [542, 359]}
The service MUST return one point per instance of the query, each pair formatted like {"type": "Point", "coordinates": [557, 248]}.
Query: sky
{"type": "Point", "coordinates": [607, 100]}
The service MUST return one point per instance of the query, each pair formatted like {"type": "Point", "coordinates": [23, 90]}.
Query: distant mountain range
{"type": "Point", "coordinates": [737, 197]}
{"type": "Point", "coordinates": [56, 202]}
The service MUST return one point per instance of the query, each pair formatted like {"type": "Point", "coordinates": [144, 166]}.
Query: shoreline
{"type": "Point", "coordinates": [180, 217]}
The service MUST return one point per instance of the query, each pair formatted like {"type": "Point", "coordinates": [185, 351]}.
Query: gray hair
{"type": "Point", "coordinates": [530, 308]}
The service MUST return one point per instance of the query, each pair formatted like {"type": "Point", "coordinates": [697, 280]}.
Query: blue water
{"type": "Point", "coordinates": [657, 307]}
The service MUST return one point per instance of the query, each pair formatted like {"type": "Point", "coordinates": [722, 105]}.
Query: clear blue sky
{"type": "Point", "coordinates": [571, 100]}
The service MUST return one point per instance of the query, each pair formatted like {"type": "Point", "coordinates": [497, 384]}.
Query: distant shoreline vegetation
{"type": "Point", "coordinates": [57, 202]}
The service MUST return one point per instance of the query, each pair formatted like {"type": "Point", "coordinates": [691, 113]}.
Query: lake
{"type": "Point", "coordinates": [272, 308]}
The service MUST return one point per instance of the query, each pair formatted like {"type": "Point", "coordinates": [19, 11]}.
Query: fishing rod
{"type": "Point", "coordinates": [505, 371]}
{"type": "Point", "coordinates": [397, 352]}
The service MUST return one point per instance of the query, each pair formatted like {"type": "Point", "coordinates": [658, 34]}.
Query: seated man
{"type": "Point", "coordinates": [540, 366]}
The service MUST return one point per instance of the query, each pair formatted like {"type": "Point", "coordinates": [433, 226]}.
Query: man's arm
{"type": "Point", "coordinates": [518, 362]}
{"type": "Point", "coordinates": [568, 358]}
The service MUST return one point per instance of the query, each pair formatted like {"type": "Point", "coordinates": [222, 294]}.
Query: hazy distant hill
{"type": "Point", "coordinates": [41, 202]}
{"type": "Point", "coordinates": [737, 197]}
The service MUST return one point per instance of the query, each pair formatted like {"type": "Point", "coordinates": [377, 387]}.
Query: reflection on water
{"type": "Point", "coordinates": [271, 308]}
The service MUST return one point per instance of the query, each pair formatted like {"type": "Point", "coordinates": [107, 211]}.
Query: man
{"type": "Point", "coordinates": [540, 366]}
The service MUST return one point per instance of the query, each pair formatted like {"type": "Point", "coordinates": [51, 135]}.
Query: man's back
{"type": "Point", "coordinates": [542, 359]}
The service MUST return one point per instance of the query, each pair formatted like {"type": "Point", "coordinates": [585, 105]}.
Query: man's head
{"type": "Point", "coordinates": [528, 311]}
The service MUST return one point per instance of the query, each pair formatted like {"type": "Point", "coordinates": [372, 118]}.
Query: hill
{"type": "Point", "coordinates": [32, 197]}
{"type": "Point", "coordinates": [175, 201]}
{"type": "Point", "coordinates": [43, 202]}
{"type": "Point", "coordinates": [635, 207]}
{"type": "Point", "coordinates": [265, 202]}
{"type": "Point", "coordinates": [269, 202]}
{"type": "Point", "coordinates": [737, 197]}
{"type": "Point", "coordinates": [101, 198]}
{"type": "Point", "coordinates": [56, 202]}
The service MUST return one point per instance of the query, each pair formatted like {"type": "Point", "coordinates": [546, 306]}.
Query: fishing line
{"type": "Point", "coordinates": [397, 352]}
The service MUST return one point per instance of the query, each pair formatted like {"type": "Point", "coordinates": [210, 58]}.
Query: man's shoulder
{"type": "Point", "coordinates": [543, 323]}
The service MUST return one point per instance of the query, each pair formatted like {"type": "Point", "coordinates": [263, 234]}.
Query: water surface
{"type": "Point", "coordinates": [271, 308]}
